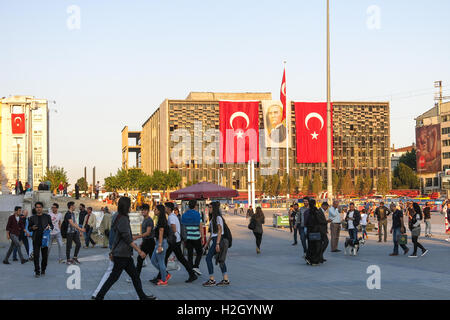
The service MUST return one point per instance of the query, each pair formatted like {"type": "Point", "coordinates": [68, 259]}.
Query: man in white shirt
{"type": "Point", "coordinates": [55, 234]}
{"type": "Point", "coordinates": [334, 218]}
{"type": "Point", "coordinates": [174, 224]}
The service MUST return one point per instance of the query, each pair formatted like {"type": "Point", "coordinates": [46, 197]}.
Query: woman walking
{"type": "Point", "coordinates": [258, 220]}
{"type": "Point", "coordinates": [415, 216]}
{"type": "Point", "coordinates": [122, 252]}
{"type": "Point", "coordinates": [364, 222]}
{"type": "Point", "coordinates": [216, 228]}
{"type": "Point", "coordinates": [159, 253]}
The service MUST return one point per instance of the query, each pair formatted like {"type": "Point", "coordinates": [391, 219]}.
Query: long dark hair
{"type": "Point", "coordinates": [123, 207]}
{"type": "Point", "coordinates": [215, 213]}
{"type": "Point", "coordinates": [259, 213]}
{"type": "Point", "coordinates": [417, 210]}
{"type": "Point", "coordinates": [162, 219]}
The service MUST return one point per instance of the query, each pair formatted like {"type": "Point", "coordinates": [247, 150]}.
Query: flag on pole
{"type": "Point", "coordinates": [283, 93]}
{"type": "Point", "coordinates": [18, 123]}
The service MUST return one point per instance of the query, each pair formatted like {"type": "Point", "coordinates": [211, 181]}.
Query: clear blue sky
{"type": "Point", "coordinates": [130, 55]}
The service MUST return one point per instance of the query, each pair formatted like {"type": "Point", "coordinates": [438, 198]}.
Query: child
{"type": "Point", "coordinates": [364, 221]}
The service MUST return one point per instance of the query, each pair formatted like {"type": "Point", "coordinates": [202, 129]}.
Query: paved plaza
{"type": "Point", "coordinates": [277, 273]}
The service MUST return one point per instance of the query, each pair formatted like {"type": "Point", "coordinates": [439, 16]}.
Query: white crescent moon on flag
{"type": "Point", "coordinates": [283, 88]}
{"type": "Point", "coordinates": [20, 120]}
{"type": "Point", "coordinates": [239, 114]}
{"type": "Point", "coordinates": [314, 115]}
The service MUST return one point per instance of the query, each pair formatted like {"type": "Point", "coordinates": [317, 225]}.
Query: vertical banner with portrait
{"type": "Point", "coordinates": [428, 141]}
{"type": "Point", "coordinates": [275, 132]}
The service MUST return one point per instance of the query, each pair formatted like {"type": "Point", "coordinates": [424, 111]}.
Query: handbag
{"type": "Point", "coordinates": [107, 232]}
{"type": "Point", "coordinates": [314, 236]}
{"type": "Point", "coordinates": [252, 224]}
{"type": "Point", "coordinates": [403, 239]}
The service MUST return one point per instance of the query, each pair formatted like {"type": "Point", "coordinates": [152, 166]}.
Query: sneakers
{"type": "Point", "coordinates": [424, 253]}
{"type": "Point", "coordinates": [61, 261]}
{"type": "Point", "coordinates": [223, 283]}
{"type": "Point", "coordinates": [37, 275]}
{"type": "Point", "coordinates": [24, 261]}
{"type": "Point", "coordinates": [154, 280]}
{"type": "Point", "coordinates": [168, 276]}
{"type": "Point", "coordinates": [258, 251]}
{"type": "Point", "coordinates": [42, 273]}
{"type": "Point", "coordinates": [413, 256]}
{"type": "Point", "coordinates": [294, 244]}
{"type": "Point", "coordinates": [69, 262]}
{"type": "Point", "coordinates": [209, 283]}
{"type": "Point", "coordinates": [406, 251]}
{"type": "Point", "coordinates": [15, 259]}
{"type": "Point", "coordinates": [6, 262]}
{"type": "Point", "coordinates": [393, 254]}
{"type": "Point", "coordinates": [148, 298]}
{"type": "Point", "coordinates": [161, 283]}
{"type": "Point", "coordinates": [192, 278]}
{"type": "Point", "coordinates": [197, 271]}
{"type": "Point", "coordinates": [75, 261]}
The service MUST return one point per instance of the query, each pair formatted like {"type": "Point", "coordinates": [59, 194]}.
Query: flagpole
{"type": "Point", "coordinates": [287, 140]}
{"type": "Point", "coordinates": [329, 141]}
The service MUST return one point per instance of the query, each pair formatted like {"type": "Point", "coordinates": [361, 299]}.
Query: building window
{"type": "Point", "coordinates": [446, 143]}
{"type": "Point", "coordinates": [436, 182]}
{"type": "Point", "coordinates": [445, 130]}
{"type": "Point", "coordinates": [429, 182]}
{"type": "Point", "coordinates": [446, 155]}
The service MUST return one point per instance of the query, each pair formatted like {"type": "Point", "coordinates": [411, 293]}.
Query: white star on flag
{"type": "Point", "coordinates": [240, 134]}
{"type": "Point", "coordinates": [314, 135]}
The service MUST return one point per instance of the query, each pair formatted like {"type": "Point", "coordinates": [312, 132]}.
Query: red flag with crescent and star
{"type": "Point", "coordinates": [18, 123]}
{"type": "Point", "coordinates": [239, 131]}
{"type": "Point", "coordinates": [283, 93]}
{"type": "Point", "coordinates": [311, 131]}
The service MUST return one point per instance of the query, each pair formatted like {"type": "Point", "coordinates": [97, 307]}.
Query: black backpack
{"type": "Point", "coordinates": [227, 233]}
{"type": "Point", "coordinates": [65, 225]}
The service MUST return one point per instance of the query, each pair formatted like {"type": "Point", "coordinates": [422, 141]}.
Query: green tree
{"type": "Point", "coordinates": [316, 184]}
{"type": "Point", "coordinates": [383, 185]}
{"type": "Point", "coordinates": [55, 175]}
{"type": "Point", "coordinates": [82, 183]}
{"type": "Point", "coordinates": [173, 179]}
{"type": "Point", "coordinates": [260, 183]}
{"type": "Point", "coordinates": [359, 186]}
{"type": "Point", "coordinates": [306, 188]}
{"type": "Point", "coordinates": [367, 185]}
{"type": "Point", "coordinates": [405, 178]}
{"type": "Point", "coordinates": [274, 185]}
{"type": "Point", "coordinates": [288, 185]}
{"type": "Point", "coordinates": [347, 184]}
{"type": "Point", "coordinates": [335, 181]}
{"type": "Point", "coordinates": [409, 159]}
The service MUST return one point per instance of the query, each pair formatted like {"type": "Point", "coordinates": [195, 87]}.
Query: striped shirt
{"type": "Point", "coordinates": [191, 219]}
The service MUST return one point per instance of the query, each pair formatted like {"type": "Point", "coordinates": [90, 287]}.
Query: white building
{"type": "Point", "coordinates": [17, 146]}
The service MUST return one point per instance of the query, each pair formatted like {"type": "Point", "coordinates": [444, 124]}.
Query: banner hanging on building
{"type": "Point", "coordinates": [311, 131]}
{"type": "Point", "coordinates": [275, 132]}
{"type": "Point", "coordinates": [239, 131]}
{"type": "Point", "coordinates": [18, 123]}
{"type": "Point", "coordinates": [428, 141]}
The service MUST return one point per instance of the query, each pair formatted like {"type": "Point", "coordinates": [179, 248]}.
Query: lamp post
{"type": "Point", "coordinates": [329, 138]}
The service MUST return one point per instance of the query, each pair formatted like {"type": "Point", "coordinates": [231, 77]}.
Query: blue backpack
{"type": "Point", "coordinates": [46, 238]}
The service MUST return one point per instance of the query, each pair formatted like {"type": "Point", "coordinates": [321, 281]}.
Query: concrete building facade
{"type": "Point", "coordinates": [361, 133]}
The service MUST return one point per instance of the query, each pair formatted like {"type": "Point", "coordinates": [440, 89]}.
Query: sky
{"type": "Point", "coordinates": [108, 63]}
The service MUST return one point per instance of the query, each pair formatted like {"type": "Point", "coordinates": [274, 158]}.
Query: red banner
{"type": "Point", "coordinates": [18, 123]}
{"type": "Point", "coordinates": [239, 131]}
{"type": "Point", "coordinates": [311, 131]}
{"type": "Point", "coordinates": [283, 93]}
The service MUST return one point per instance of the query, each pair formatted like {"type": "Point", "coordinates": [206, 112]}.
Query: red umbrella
{"type": "Point", "coordinates": [203, 190]}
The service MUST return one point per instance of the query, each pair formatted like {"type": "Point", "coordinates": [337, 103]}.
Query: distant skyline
{"type": "Point", "coordinates": [127, 57]}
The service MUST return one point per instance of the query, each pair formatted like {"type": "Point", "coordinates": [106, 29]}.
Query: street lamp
{"type": "Point", "coordinates": [48, 130]}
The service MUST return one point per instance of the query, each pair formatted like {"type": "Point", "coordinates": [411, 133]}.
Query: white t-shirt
{"type": "Point", "coordinates": [219, 222]}
{"type": "Point", "coordinates": [350, 222]}
{"type": "Point", "coordinates": [17, 218]}
{"type": "Point", "coordinates": [364, 219]}
{"type": "Point", "coordinates": [173, 219]}
{"type": "Point", "coordinates": [56, 218]}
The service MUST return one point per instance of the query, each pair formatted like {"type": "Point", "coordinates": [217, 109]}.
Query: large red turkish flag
{"type": "Point", "coordinates": [18, 123]}
{"type": "Point", "coordinates": [311, 131]}
{"type": "Point", "coordinates": [239, 131]}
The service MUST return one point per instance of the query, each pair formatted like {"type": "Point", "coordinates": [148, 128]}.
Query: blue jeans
{"type": "Point", "coordinates": [363, 231]}
{"type": "Point", "coordinates": [353, 233]}
{"type": "Point", "coordinates": [396, 237]}
{"type": "Point", "coordinates": [209, 257]}
{"type": "Point", "coordinates": [87, 237]}
{"type": "Point", "coordinates": [158, 259]}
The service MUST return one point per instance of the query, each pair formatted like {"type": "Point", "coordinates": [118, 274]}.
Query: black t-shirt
{"type": "Point", "coordinates": [81, 216]}
{"type": "Point", "coordinates": [427, 213]}
{"type": "Point", "coordinates": [165, 234]}
{"type": "Point", "coordinates": [148, 223]}
{"type": "Point", "coordinates": [396, 219]}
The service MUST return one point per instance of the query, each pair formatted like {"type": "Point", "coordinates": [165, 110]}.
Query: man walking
{"type": "Point", "coordinates": [192, 221]}
{"type": "Point", "coordinates": [97, 190]}
{"type": "Point", "coordinates": [81, 215]}
{"type": "Point", "coordinates": [147, 235]}
{"type": "Point", "coordinates": [38, 224]}
{"type": "Point", "coordinates": [56, 232]}
{"type": "Point", "coordinates": [334, 218]}
{"type": "Point", "coordinates": [301, 223]}
{"type": "Point", "coordinates": [382, 213]}
{"type": "Point", "coordinates": [14, 227]}
{"type": "Point", "coordinates": [77, 191]}
{"type": "Point", "coordinates": [398, 228]}
{"type": "Point", "coordinates": [90, 222]}
{"type": "Point", "coordinates": [105, 226]}
{"type": "Point", "coordinates": [73, 234]}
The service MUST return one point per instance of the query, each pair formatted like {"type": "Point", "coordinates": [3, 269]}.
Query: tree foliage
{"type": "Point", "coordinates": [405, 178]}
{"type": "Point", "coordinates": [82, 183]}
{"type": "Point", "coordinates": [409, 159]}
{"type": "Point", "coordinates": [55, 175]}
{"type": "Point", "coordinates": [383, 184]}
{"type": "Point", "coordinates": [347, 184]}
{"type": "Point", "coordinates": [316, 183]}
{"type": "Point", "coordinates": [306, 188]}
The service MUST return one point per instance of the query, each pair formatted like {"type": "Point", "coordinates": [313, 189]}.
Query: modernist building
{"type": "Point", "coordinates": [17, 152]}
{"type": "Point", "coordinates": [433, 148]}
{"type": "Point", "coordinates": [396, 154]}
{"type": "Point", "coordinates": [361, 133]}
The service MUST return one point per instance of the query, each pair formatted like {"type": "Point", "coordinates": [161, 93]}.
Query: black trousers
{"type": "Point", "coordinates": [176, 248]}
{"type": "Point", "coordinates": [121, 264]}
{"type": "Point", "coordinates": [258, 237]}
{"type": "Point", "coordinates": [313, 253]}
{"type": "Point", "coordinates": [75, 237]}
{"type": "Point", "coordinates": [147, 246]}
{"type": "Point", "coordinates": [37, 250]}
{"type": "Point", "coordinates": [415, 240]}
{"type": "Point", "coordinates": [197, 245]}
{"type": "Point", "coordinates": [324, 245]}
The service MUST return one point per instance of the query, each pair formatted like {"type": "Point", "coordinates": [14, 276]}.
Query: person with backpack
{"type": "Point", "coordinates": [256, 225]}
{"type": "Point", "coordinates": [217, 230]}
{"type": "Point", "coordinates": [415, 216]}
{"type": "Point", "coordinates": [382, 213]}
{"type": "Point", "coordinates": [174, 242]}
{"type": "Point", "coordinates": [191, 221]}
{"type": "Point", "coordinates": [122, 253]}
{"type": "Point", "coordinates": [161, 245]}
{"type": "Point", "coordinates": [71, 231]}
{"type": "Point", "coordinates": [353, 219]}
